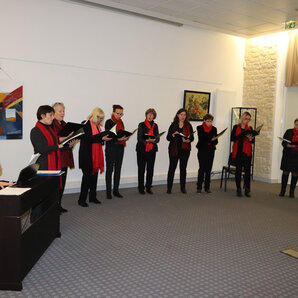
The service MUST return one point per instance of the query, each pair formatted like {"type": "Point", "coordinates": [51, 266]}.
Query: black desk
{"type": "Point", "coordinates": [28, 225]}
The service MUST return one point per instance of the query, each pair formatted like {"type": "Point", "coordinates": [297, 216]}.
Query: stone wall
{"type": "Point", "coordinates": [259, 89]}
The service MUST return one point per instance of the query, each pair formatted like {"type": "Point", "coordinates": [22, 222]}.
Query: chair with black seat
{"type": "Point", "coordinates": [227, 171]}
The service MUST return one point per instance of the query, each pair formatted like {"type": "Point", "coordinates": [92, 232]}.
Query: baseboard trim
{"type": "Point", "coordinates": [159, 179]}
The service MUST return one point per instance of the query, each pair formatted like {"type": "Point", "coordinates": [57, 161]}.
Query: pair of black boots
{"type": "Point", "coordinates": [284, 182]}
{"type": "Point", "coordinates": [246, 192]}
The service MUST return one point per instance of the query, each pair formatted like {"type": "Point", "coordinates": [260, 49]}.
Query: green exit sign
{"type": "Point", "coordinates": [290, 25]}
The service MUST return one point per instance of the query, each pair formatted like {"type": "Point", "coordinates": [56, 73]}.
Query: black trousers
{"type": "Point", "coordinates": [243, 162]}
{"type": "Point", "coordinates": [183, 156]}
{"type": "Point", "coordinates": [205, 159]}
{"type": "Point", "coordinates": [63, 177]}
{"type": "Point", "coordinates": [114, 158]}
{"type": "Point", "coordinates": [89, 184]}
{"type": "Point", "coordinates": [145, 159]}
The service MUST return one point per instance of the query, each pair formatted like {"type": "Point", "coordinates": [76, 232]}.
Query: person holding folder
{"type": "Point", "coordinates": [242, 152]}
{"type": "Point", "coordinates": [146, 150]}
{"type": "Point", "coordinates": [45, 140]}
{"type": "Point", "coordinates": [289, 161]}
{"type": "Point", "coordinates": [66, 151]}
{"type": "Point", "coordinates": [180, 136]}
{"type": "Point", "coordinates": [114, 152]}
{"type": "Point", "coordinates": [91, 158]}
{"type": "Point", "coordinates": [206, 148]}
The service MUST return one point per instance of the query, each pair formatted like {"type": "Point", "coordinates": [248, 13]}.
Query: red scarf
{"type": "Point", "coordinates": [149, 145]}
{"type": "Point", "coordinates": [119, 126]}
{"type": "Point", "coordinates": [295, 138]}
{"type": "Point", "coordinates": [66, 155]}
{"type": "Point", "coordinates": [97, 153]}
{"type": "Point", "coordinates": [53, 164]}
{"type": "Point", "coordinates": [186, 132]}
{"type": "Point", "coordinates": [206, 128]}
{"type": "Point", "coordinates": [246, 143]}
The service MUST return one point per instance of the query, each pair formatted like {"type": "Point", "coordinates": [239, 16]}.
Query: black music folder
{"type": "Point", "coordinates": [68, 128]}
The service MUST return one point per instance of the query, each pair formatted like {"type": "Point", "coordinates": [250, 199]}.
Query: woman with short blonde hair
{"type": "Point", "coordinates": [65, 153]}
{"type": "Point", "coordinates": [91, 156]}
{"type": "Point", "coordinates": [242, 152]}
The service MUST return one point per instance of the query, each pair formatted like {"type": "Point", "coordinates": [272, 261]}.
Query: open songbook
{"type": "Point", "coordinates": [186, 137]}
{"type": "Point", "coordinates": [221, 133]}
{"type": "Point", "coordinates": [288, 141]}
{"type": "Point", "coordinates": [77, 135]}
{"type": "Point", "coordinates": [254, 132]}
{"type": "Point", "coordinates": [69, 128]}
{"type": "Point", "coordinates": [153, 137]}
{"type": "Point", "coordinates": [112, 133]}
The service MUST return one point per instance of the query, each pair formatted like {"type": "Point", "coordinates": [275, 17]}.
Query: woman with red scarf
{"type": "Point", "coordinates": [91, 156]}
{"type": "Point", "coordinates": [45, 141]}
{"type": "Point", "coordinates": [114, 153]}
{"type": "Point", "coordinates": [180, 135]}
{"type": "Point", "coordinates": [289, 162]}
{"type": "Point", "coordinates": [206, 147]}
{"type": "Point", "coordinates": [241, 153]}
{"type": "Point", "coordinates": [146, 150]}
{"type": "Point", "coordinates": [66, 152]}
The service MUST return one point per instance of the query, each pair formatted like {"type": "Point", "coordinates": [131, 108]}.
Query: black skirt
{"type": "Point", "coordinates": [289, 161]}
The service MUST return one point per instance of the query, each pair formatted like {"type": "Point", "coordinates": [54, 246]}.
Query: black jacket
{"type": "Point", "coordinates": [176, 141]}
{"type": "Point", "coordinates": [85, 151]}
{"type": "Point", "coordinates": [240, 138]}
{"type": "Point", "coordinates": [142, 130]}
{"type": "Point", "coordinates": [289, 161]}
{"type": "Point", "coordinates": [40, 145]}
{"type": "Point", "coordinates": [108, 125]}
{"type": "Point", "coordinates": [204, 142]}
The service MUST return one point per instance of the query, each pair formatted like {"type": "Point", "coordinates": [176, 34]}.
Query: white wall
{"type": "Point", "coordinates": [89, 57]}
{"type": "Point", "coordinates": [291, 109]}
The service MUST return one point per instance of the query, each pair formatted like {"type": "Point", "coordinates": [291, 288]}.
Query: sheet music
{"type": "Point", "coordinates": [13, 191]}
{"type": "Point", "coordinates": [33, 159]}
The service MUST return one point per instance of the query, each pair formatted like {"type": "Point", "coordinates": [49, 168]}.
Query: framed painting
{"type": "Point", "coordinates": [197, 104]}
{"type": "Point", "coordinates": [11, 111]}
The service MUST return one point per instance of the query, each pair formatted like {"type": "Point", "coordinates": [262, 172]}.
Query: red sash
{"type": "Point", "coordinates": [295, 139]}
{"type": "Point", "coordinates": [186, 132]}
{"type": "Point", "coordinates": [97, 153]}
{"type": "Point", "coordinates": [66, 155]}
{"type": "Point", "coordinates": [149, 145]}
{"type": "Point", "coordinates": [119, 126]}
{"type": "Point", "coordinates": [53, 164]}
{"type": "Point", "coordinates": [206, 128]}
{"type": "Point", "coordinates": [246, 143]}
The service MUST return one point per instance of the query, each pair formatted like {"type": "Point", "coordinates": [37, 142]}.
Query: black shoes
{"type": "Point", "coordinates": [208, 191]}
{"type": "Point", "coordinates": [117, 194]}
{"type": "Point", "coordinates": [142, 192]}
{"type": "Point", "coordinates": [83, 204]}
{"type": "Point", "coordinates": [239, 193]}
{"type": "Point", "coordinates": [62, 210]}
{"type": "Point", "coordinates": [95, 201]}
{"type": "Point", "coordinates": [149, 191]}
{"type": "Point", "coordinates": [247, 193]}
{"type": "Point", "coordinates": [169, 191]}
{"type": "Point", "coordinates": [183, 190]}
{"type": "Point", "coordinates": [199, 191]}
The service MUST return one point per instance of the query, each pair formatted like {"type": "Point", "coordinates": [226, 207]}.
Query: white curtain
{"type": "Point", "coordinates": [292, 60]}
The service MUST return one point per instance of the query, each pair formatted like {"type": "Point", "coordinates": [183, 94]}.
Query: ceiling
{"type": "Point", "coordinates": [246, 18]}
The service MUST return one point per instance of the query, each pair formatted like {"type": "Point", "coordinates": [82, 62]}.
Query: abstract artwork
{"type": "Point", "coordinates": [11, 113]}
{"type": "Point", "coordinates": [197, 104]}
